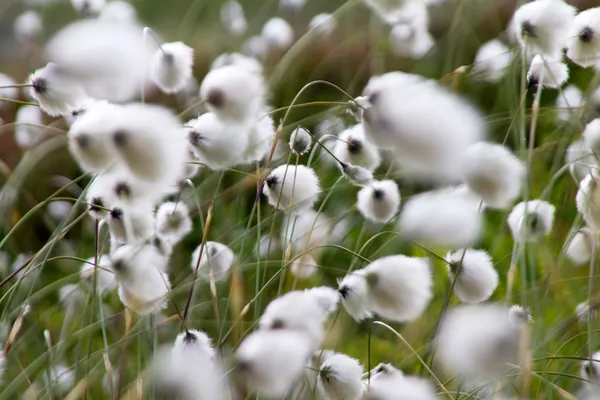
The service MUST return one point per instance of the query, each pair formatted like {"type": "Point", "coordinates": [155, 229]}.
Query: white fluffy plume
{"type": "Point", "coordinates": [292, 188]}
{"type": "Point", "coordinates": [353, 148]}
{"type": "Point", "coordinates": [380, 201]}
{"type": "Point", "coordinates": [477, 278]}
{"type": "Point", "coordinates": [216, 257]}
{"type": "Point", "coordinates": [171, 66]}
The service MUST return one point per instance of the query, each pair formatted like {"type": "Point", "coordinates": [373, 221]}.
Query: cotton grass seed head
{"type": "Point", "coordinates": [550, 72]}
{"type": "Point", "coordinates": [379, 202]}
{"type": "Point", "coordinates": [354, 295]}
{"type": "Point", "coordinates": [120, 12]}
{"type": "Point", "coordinates": [568, 103]}
{"type": "Point", "coordinates": [410, 40]}
{"type": "Point", "coordinates": [173, 221]}
{"type": "Point", "coordinates": [492, 61]}
{"type": "Point", "coordinates": [300, 141]}
{"type": "Point", "coordinates": [171, 66]}
{"type": "Point", "coordinates": [399, 288]}
{"type": "Point", "coordinates": [519, 316]}
{"type": "Point", "coordinates": [588, 200]}
{"type": "Point", "coordinates": [477, 278]}
{"type": "Point", "coordinates": [529, 221]}
{"type": "Point", "coordinates": [580, 158]}
{"type": "Point", "coordinates": [580, 246]}
{"type": "Point", "coordinates": [268, 362]}
{"type": "Point", "coordinates": [292, 188]}
{"type": "Point", "coordinates": [304, 267]}
{"type": "Point", "coordinates": [340, 376]}
{"type": "Point", "coordinates": [260, 140]}
{"type": "Point", "coordinates": [30, 126]}
{"type": "Point", "coordinates": [400, 388]}
{"type": "Point", "coordinates": [8, 92]}
{"type": "Point", "coordinates": [353, 148]}
{"type": "Point", "coordinates": [104, 276]}
{"type": "Point", "coordinates": [250, 64]}
{"type": "Point", "coordinates": [359, 176]}
{"type": "Point", "coordinates": [583, 45]}
{"type": "Point", "coordinates": [216, 258]}
{"type": "Point", "coordinates": [233, 18]}
{"type": "Point", "coordinates": [278, 34]}
{"type": "Point", "coordinates": [194, 340]}
{"type": "Point", "coordinates": [28, 26]}
{"type": "Point", "coordinates": [88, 7]}
{"type": "Point", "coordinates": [494, 173]}
{"type": "Point", "coordinates": [55, 90]}
{"type": "Point", "coordinates": [591, 135]}
{"type": "Point", "coordinates": [590, 370]}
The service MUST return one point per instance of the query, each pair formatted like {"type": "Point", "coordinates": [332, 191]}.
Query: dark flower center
{"type": "Point", "coordinates": [354, 146]}
{"type": "Point", "coordinates": [40, 85]}
{"type": "Point", "coordinates": [527, 29]}
{"type": "Point", "coordinates": [378, 194]}
{"type": "Point", "coordinates": [272, 181]}
{"type": "Point", "coordinates": [586, 35]}
{"type": "Point", "coordinates": [215, 98]}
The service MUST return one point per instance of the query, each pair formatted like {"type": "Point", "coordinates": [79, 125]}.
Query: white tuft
{"type": "Point", "coordinates": [340, 377]}
{"type": "Point", "coordinates": [292, 188]}
{"type": "Point", "coordinates": [583, 44]}
{"type": "Point", "coordinates": [216, 258]}
{"type": "Point", "coordinates": [519, 316]}
{"type": "Point", "coordinates": [30, 126]}
{"type": "Point", "coordinates": [104, 275]}
{"type": "Point", "coordinates": [359, 176]}
{"type": "Point", "coordinates": [580, 158]}
{"type": "Point", "coordinates": [171, 66]}
{"type": "Point", "coordinates": [477, 278]}
{"type": "Point", "coordinates": [353, 148]}
{"type": "Point", "coordinates": [550, 72]}
{"type": "Point", "coordinates": [193, 340]}
{"type": "Point", "coordinates": [492, 61]}
{"type": "Point", "coordinates": [28, 26]}
{"type": "Point", "coordinates": [233, 18]}
{"type": "Point", "coordinates": [380, 201]}
{"type": "Point", "coordinates": [588, 200]}
{"type": "Point", "coordinates": [304, 267]}
{"type": "Point", "coordinates": [88, 7]}
{"type": "Point", "coordinates": [410, 40]}
{"type": "Point", "coordinates": [591, 135]}
{"type": "Point", "coordinates": [529, 221]}
{"type": "Point", "coordinates": [250, 64]}
{"type": "Point", "coordinates": [173, 221]}
{"type": "Point", "coordinates": [569, 103]}
{"type": "Point", "coordinates": [354, 292]}
{"type": "Point", "coordinates": [119, 12]}
{"type": "Point", "coordinates": [580, 246]}
{"type": "Point", "coordinates": [300, 141]}
{"type": "Point", "coordinates": [278, 34]}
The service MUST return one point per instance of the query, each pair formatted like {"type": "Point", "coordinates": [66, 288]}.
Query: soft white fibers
{"type": "Point", "coordinates": [550, 72]}
{"type": "Point", "coordinates": [292, 188]}
{"type": "Point", "coordinates": [529, 221]}
{"type": "Point", "coordinates": [446, 217]}
{"type": "Point", "coordinates": [173, 221]}
{"type": "Point", "coordinates": [278, 34]}
{"type": "Point", "coordinates": [104, 276]}
{"type": "Point", "coordinates": [410, 40]}
{"type": "Point", "coordinates": [340, 376]}
{"type": "Point", "coordinates": [353, 148]}
{"type": "Point", "coordinates": [399, 288]}
{"type": "Point", "coordinates": [28, 26]}
{"type": "Point", "coordinates": [233, 18]}
{"type": "Point", "coordinates": [216, 258]}
{"type": "Point", "coordinates": [380, 201]}
{"type": "Point", "coordinates": [591, 135]}
{"type": "Point", "coordinates": [300, 141]}
{"type": "Point", "coordinates": [193, 340]}
{"type": "Point", "coordinates": [568, 103]}
{"type": "Point", "coordinates": [588, 200]}
{"type": "Point", "coordinates": [583, 45]}
{"type": "Point", "coordinates": [250, 64]}
{"type": "Point", "coordinates": [580, 246]}
{"type": "Point", "coordinates": [30, 126]}
{"type": "Point", "coordinates": [171, 66]}
{"type": "Point", "coordinates": [477, 278]}
{"type": "Point", "coordinates": [55, 90]}
{"type": "Point", "coordinates": [491, 62]}
{"type": "Point", "coordinates": [354, 292]}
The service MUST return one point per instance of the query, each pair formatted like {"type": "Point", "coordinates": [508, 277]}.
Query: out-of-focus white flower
{"type": "Point", "coordinates": [233, 18]}
{"type": "Point", "coordinates": [255, 46]}
{"type": "Point", "coordinates": [324, 24]}
{"type": "Point", "coordinates": [582, 311]}
{"type": "Point", "coordinates": [58, 210]}
{"type": "Point", "coordinates": [353, 148]}
{"type": "Point", "coordinates": [216, 257]}
{"type": "Point", "coordinates": [395, 11]}
{"type": "Point", "coordinates": [588, 200]}
{"type": "Point", "coordinates": [305, 231]}
{"type": "Point", "coordinates": [278, 34]}
{"type": "Point", "coordinates": [270, 361]}
{"type": "Point", "coordinates": [411, 41]}
{"type": "Point", "coordinates": [61, 377]}
{"type": "Point", "coordinates": [491, 62]}
{"type": "Point", "coordinates": [304, 266]}
{"type": "Point", "coordinates": [260, 139]}
{"type": "Point", "coordinates": [380, 201]}
{"type": "Point", "coordinates": [292, 188]}
{"type": "Point", "coordinates": [193, 340]}
{"type": "Point", "coordinates": [105, 277]}
{"type": "Point", "coordinates": [494, 173]}
{"type": "Point", "coordinates": [340, 376]}
{"type": "Point", "coordinates": [55, 90]}
{"type": "Point", "coordinates": [292, 5]}
{"type": "Point", "coordinates": [7, 92]}
{"type": "Point", "coordinates": [398, 387]}
{"type": "Point", "coordinates": [590, 370]}
{"type": "Point", "coordinates": [581, 159]}
{"type": "Point", "coordinates": [143, 286]}
{"type": "Point", "coordinates": [233, 93]}
{"type": "Point", "coordinates": [28, 26]}
{"type": "Point", "coordinates": [119, 12]}
{"type": "Point", "coordinates": [583, 43]}
{"type": "Point", "coordinates": [131, 225]}
{"type": "Point", "coordinates": [171, 66]}
{"type": "Point", "coordinates": [569, 103]}
{"type": "Point", "coordinates": [354, 292]}
{"type": "Point", "coordinates": [399, 117]}
{"type": "Point", "coordinates": [547, 71]}
{"type": "Point", "coordinates": [477, 341]}
{"type": "Point", "coordinates": [542, 26]}
{"type": "Point", "coordinates": [88, 7]}
{"type": "Point", "coordinates": [591, 135]}
{"type": "Point", "coordinates": [580, 246]}
{"type": "Point", "coordinates": [329, 126]}
{"type": "Point", "coordinates": [109, 59]}
{"type": "Point", "coordinates": [446, 217]}
{"type": "Point", "coordinates": [529, 221]}
{"type": "Point", "coordinates": [30, 126]}
{"type": "Point", "coordinates": [358, 175]}
{"type": "Point", "coordinates": [173, 221]}
{"type": "Point", "coordinates": [303, 311]}
{"type": "Point", "coordinates": [250, 64]}
{"type": "Point", "coordinates": [477, 278]}
{"type": "Point", "coordinates": [267, 246]}
{"type": "Point", "coordinates": [300, 140]}
{"type": "Point", "coordinates": [71, 295]}
{"type": "Point", "coordinates": [519, 316]}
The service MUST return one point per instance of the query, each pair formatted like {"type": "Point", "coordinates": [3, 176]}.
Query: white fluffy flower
{"type": "Point", "coordinates": [379, 201]}
{"type": "Point", "coordinates": [477, 277]}
{"type": "Point", "coordinates": [354, 292]}
{"type": "Point", "coordinates": [55, 91]}
{"type": "Point", "coordinates": [88, 7]}
{"type": "Point", "coordinates": [494, 173]}
{"type": "Point", "coordinates": [582, 311]}
{"type": "Point", "coordinates": [446, 217]}
{"type": "Point", "coordinates": [519, 316]}
{"type": "Point", "coordinates": [569, 103]}
{"type": "Point", "coordinates": [410, 40]}
{"type": "Point", "coordinates": [330, 126]}
{"type": "Point", "coordinates": [300, 141]}
{"type": "Point", "coordinates": [233, 92]}
{"type": "Point", "coordinates": [391, 11]}
{"type": "Point", "coordinates": [171, 66]}
{"type": "Point", "coordinates": [7, 92]}
{"type": "Point", "coordinates": [581, 159]}
{"type": "Point", "coordinates": [550, 72]}
{"type": "Point", "coordinates": [542, 26]}
{"type": "Point", "coordinates": [302, 311]}
{"type": "Point", "coordinates": [304, 267]}
{"type": "Point", "coordinates": [105, 277]}
{"type": "Point", "coordinates": [399, 118]}
{"type": "Point", "coordinates": [528, 221]}
{"type": "Point", "coordinates": [30, 126]}
{"type": "Point", "coordinates": [591, 135]}
{"type": "Point", "coordinates": [173, 221]}
{"type": "Point", "coordinates": [143, 286]}
{"type": "Point", "coordinates": [193, 340]}
{"type": "Point", "coordinates": [583, 45]}
{"type": "Point", "coordinates": [477, 341]}
{"type": "Point", "coordinates": [353, 148]}
{"type": "Point", "coordinates": [255, 46]}
{"type": "Point", "coordinates": [216, 257]}
{"type": "Point", "coordinates": [28, 26]}
{"type": "Point", "coordinates": [399, 288]}
{"type": "Point", "coordinates": [358, 175]}
{"type": "Point", "coordinates": [324, 24]}
{"type": "Point", "coordinates": [250, 64]}
{"type": "Point", "coordinates": [588, 200]}
{"type": "Point", "coordinates": [580, 245]}
{"type": "Point", "coordinates": [260, 140]}
{"type": "Point", "coordinates": [305, 231]}
{"type": "Point", "coordinates": [131, 225]}
{"type": "Point", "coordinates": [340, 377]}
{"type": "Point", "coordinates": [398, 387]}
{"type": "Point", "coordinates": [270, 361]}
{"type": "Point", "coordinates": [278, 34]}
{"type": "Point", "coordinates": [292, 188]}
{"type": "Point", "coordinates": [88, 49]}
{"type": "Point", "coordinates": [492, 61]}
{"type": "Point", "coordinates": [233, 18]}
{"type": "Point", "coordinates": [590, 370]}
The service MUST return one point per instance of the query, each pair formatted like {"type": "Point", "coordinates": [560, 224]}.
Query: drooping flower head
{"type": "Point", "coordinates": [171, 66]}
{"type": "Point", "coordinates": [380, 201]}
{"type": "Point", "coordinates": [292, 188]}
{"type": "Point", "coordinates": [477, 278]}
